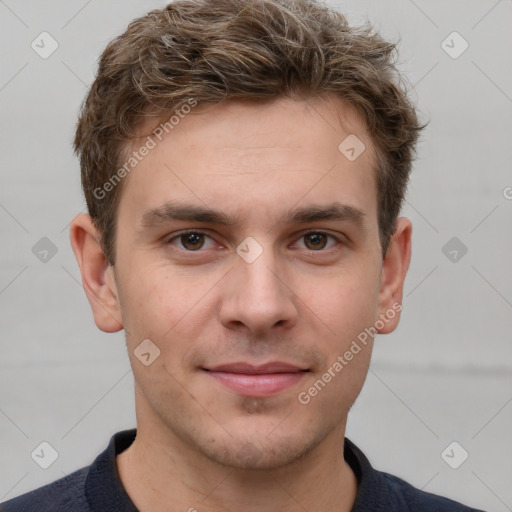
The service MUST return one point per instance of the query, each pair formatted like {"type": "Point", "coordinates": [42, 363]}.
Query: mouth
{"type": "Point", "coordinates": [260, 381]}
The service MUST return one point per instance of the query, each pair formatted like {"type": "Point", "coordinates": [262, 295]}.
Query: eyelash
{"type": "Point", "coordinates": [198, 232]}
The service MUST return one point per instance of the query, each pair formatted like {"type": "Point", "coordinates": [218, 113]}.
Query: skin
{"type": "Point", "coordinates": [200, 445]}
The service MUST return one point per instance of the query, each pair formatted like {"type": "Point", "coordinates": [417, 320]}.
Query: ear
{"type": "Point", "coordinates": [394, 269]}
{"type": "Point", "coordinates": [98, 277]}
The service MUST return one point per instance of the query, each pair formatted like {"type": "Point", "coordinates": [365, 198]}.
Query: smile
{"type": "Point", "coordinates": [257, 381]}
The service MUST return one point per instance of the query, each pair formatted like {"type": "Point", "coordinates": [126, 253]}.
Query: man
{"type": "Point", "coordinates": [244, 164]}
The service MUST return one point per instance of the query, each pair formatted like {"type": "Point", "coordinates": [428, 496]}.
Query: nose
{"type": "Point", "coordinates": [258, 295]}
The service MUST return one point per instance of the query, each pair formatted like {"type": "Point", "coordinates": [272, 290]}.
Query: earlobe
{"type": "Point", "coordinates": [97, 278]}
{"type": "Point", "coordinates": [394, 270]}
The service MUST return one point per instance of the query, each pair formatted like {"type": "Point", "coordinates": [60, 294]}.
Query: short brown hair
{"type": "Point", "coordinates": [253, 50]}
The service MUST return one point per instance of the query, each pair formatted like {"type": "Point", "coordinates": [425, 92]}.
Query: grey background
{"type": "Point", "coordinates": [445, 375]}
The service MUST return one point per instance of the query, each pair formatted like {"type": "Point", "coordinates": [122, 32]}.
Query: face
{"type": "Point", "coordinates": [247, 252]}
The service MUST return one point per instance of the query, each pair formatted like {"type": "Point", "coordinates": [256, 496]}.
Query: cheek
{"type": "Point", "coordinates": [154, 300]}
{"type": "Point", "coordinates": [173, 311]}
{"type": "Point", "coordinates": [345, 304]}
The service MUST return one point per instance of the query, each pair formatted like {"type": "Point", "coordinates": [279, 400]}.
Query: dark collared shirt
{"type": "Point", "coordinates": [98, 488]}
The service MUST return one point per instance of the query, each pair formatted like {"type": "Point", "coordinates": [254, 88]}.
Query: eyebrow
{"type": "Point", "coordinates": [177, 211]}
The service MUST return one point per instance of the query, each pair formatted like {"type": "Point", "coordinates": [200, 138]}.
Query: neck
{"type": "Point", "coordinates": [158, 469]}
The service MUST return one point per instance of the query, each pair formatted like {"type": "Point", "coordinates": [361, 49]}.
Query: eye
{"type": "Point", "coordinates": [317, 240]}
{"type": "Point", "coordinates": [193, 241]}
{"type": "Point", "coordinates": [190, 240]}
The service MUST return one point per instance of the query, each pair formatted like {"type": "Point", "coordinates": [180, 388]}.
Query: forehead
{"type": "Point", "coordinates": [241, 156]}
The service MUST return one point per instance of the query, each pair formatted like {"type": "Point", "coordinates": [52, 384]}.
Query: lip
{"type": "Point", "coordinates": [247, 368]}
{"type": "Point", "coordinates": [257, 381]}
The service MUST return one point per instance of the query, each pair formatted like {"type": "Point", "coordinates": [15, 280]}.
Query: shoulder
{"type": "Point", "coordinates": [404, 496]}
{"type": "Point", "coordinates": [63, 495]}
{"type": "Point", "coordinates": [379, 490]}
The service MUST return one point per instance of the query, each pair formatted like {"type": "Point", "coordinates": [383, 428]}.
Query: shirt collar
{"type": "Point", "coordinates": [372, 491]}
{"type": "Point", "coordinates": [103, 488]}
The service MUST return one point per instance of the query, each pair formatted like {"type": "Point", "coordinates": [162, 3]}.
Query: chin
{"type": "Point", "coordinates": [261, 452]}
{"type": "Point", "coordinates": [248, 456]}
